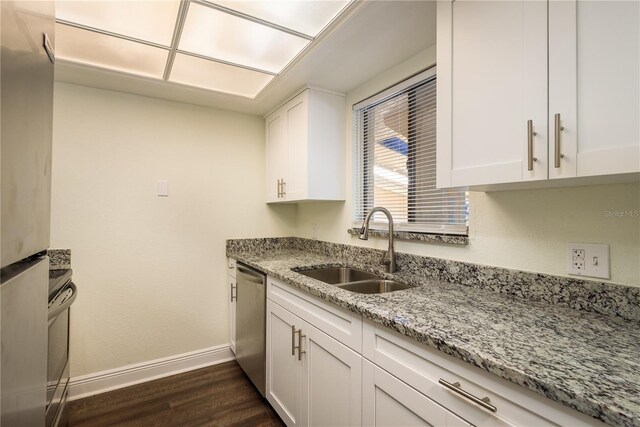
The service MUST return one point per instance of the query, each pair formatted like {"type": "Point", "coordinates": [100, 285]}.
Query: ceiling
{"type": "Point", "coordinates": [234, 47]}
{"type": "Point", "coordinates": [366, 39]}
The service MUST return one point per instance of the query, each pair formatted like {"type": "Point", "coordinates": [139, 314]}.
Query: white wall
{"type": "Point", "coordinates": [151, 271]}
{"type": "Point", "coordinates": [526, 230]}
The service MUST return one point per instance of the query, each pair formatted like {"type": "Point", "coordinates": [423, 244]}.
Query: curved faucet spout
{"type": "Point", "coordinates": [390, 257]}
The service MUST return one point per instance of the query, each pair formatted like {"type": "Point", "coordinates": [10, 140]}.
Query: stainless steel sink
{"type": "Point", "coordinates": [378, 286]}
{"type": "Point", "coordinates": [336, 275]}
{"type": "Point", "coordinates": [351, 279]}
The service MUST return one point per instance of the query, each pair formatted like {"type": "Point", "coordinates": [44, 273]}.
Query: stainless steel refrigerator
{"type": "Point", "coordinates": [26, 115]}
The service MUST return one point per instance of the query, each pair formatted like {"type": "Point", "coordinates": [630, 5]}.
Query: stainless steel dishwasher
{"type": "Point", "coordinates": [250, 324]}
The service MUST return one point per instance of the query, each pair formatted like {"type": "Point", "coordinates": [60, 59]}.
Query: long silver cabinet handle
{"type": "Point", "coordinates": [234, 288]}
{"type": "Point", "coordinates": [558, 128]}
{"type": "Point", "coordinates": [300, 351]}
{"type": "Point", "coordinates": [530, 135]}
{"type": "Point", "coordinates": [455, 387]}
{"type": "Point", "coordinates": [293, 340]}
{"type": "Point", "coordinates": [284, 193]}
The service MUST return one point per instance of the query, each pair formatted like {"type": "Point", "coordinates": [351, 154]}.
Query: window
{"type": "Point", "coordinates": [395, 161]}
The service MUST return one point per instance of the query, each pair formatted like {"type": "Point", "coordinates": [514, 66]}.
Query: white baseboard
{"type": "Point", "coordinates": [99, 382]}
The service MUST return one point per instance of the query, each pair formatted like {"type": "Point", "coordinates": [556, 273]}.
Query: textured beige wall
{"type": "Point", "coordinates": [150, 270]}
{"type": "Point", "coordinates": [526, 230]}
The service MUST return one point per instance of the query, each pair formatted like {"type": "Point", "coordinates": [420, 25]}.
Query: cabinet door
{"type": "Point", "coordinates": [277, 154]}
{"type": "Point", "coordinates": [387, 401]}
{"type": "Point", "coordinates": [284, 370]}
{"type": "Point", "coordinates": [492, 79]}
{"type": "Point", "coordinates": [233, 290]}
{"type": "Point", "coordinates": [296, 112]}
{"type": "Point", "coordinates": [594, 89]}
{"type": "Point", "coordinates": [332, 381]}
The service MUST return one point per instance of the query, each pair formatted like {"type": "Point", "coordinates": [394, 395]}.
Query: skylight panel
{"type": "Point", "coordinates": [199, 72]}
{"type": "Point", "coordinates": [226, 37]}
{"type": "Point", "coordinates": [307, 17]}
{"type": "Point", "coordinates": [91, 48]}
{"type": "Point", "coordinates": [230, 46]}
{"type": "Point", "coordinates": [151, 21]}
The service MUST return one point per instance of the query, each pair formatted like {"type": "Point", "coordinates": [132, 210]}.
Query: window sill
{"type": "Point", "coordinates": [422, 237]}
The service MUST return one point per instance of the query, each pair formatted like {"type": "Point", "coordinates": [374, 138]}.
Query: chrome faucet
{"type": "Point", "coordinates": [389, 258]}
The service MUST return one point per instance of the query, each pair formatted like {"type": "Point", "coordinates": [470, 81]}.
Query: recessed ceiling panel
{"type": "Point", "coordinates": [212, 75]}
{"type": "Point", "coordinates": [219, 35]}
{"type": "Point", "coordinates": [151, 21]}
{"type": "Point", "coordinates": [307, 17]}
{"type": "Point", "coordinates": [87, 47]}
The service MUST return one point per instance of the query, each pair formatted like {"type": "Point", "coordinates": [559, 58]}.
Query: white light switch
{"type": "Point", "coordinates": [163, 188]}
{"type": "Point", "coordinates": [586, 259]}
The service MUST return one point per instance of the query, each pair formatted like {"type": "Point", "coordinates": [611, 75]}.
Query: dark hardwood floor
{"type": "Point", "coordinates": [219, 395]}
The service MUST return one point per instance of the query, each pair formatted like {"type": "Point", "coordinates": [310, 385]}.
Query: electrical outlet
{"type": "Point", "coordinates": [586, 259]}
{"type": "Point", "coordinates": [314, 231]}
{"type": "Point", "coordinates": [577, 254]}
{"type": "Point", "coordinates": [578, 264]}
{"type": "Point", "coordinates": [577, 260]}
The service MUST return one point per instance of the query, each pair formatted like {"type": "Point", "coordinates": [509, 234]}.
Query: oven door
{"type": "Point", "coordinates": [58, 353]}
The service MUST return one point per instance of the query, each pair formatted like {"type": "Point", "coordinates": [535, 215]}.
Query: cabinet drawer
{"type": "Point", "coordinates": [423, 367]}
{"type": "Point", "coordinates": [231, 267]}
{"type": "Point", "coordinates": [336, 322]}
{"type": "Point", "coordinates": [387, 401]}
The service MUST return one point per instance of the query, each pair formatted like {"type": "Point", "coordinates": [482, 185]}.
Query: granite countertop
{"type": "Point", "coordinates": [584, 360]}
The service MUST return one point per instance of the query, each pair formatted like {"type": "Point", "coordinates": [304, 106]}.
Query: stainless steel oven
{"type": "Point", "coordinates": [60, 301]}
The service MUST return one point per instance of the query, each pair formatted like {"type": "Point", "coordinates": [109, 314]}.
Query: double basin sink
{"type": "Point", "coordinates": [354, 280]}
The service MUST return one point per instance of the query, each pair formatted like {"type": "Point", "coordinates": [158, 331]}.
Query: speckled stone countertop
{"type": "Point", "coordinates": [59, 259]}
{"type": "Point", "coordinates": [584, 360]}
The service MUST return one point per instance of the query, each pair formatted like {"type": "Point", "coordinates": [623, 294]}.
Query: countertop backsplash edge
{"type": "Point", "coordinates": [599, 297]}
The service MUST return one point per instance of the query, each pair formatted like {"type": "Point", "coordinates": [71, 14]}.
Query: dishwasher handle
{"type": "Point", "coordinates": [250, 275]}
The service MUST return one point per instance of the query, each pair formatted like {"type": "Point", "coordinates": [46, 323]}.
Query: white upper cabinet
{"type": "Point", "coordinates": [305, 148]}
{"type": "Point", "coordinates": [594, 88]}
{"type": "Point", "coordinates": [492, 80]}
{"type": "Point", "coordinates": [277, 153]}
{"type": "Point", "coordinates": [507, 114]}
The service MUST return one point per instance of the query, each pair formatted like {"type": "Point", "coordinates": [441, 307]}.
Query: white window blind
{"type": "Point", "coordinates": [395, 162]}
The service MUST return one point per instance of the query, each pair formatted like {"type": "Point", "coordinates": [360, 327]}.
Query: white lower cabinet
{"type": "Point", "coordinates": [312, 379]}
{"type": "Point", "coordinates": [316, 375]}
{"type": "Point", "coordinates": [284, 370]}
{"type": "Point", "coordinates": [332, 381]}
{"type": "Point", "coordinates": [387, 401]}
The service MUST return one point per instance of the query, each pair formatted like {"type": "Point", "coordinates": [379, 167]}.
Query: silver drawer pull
{"type": "Point", "coordinates": [455, 387]}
